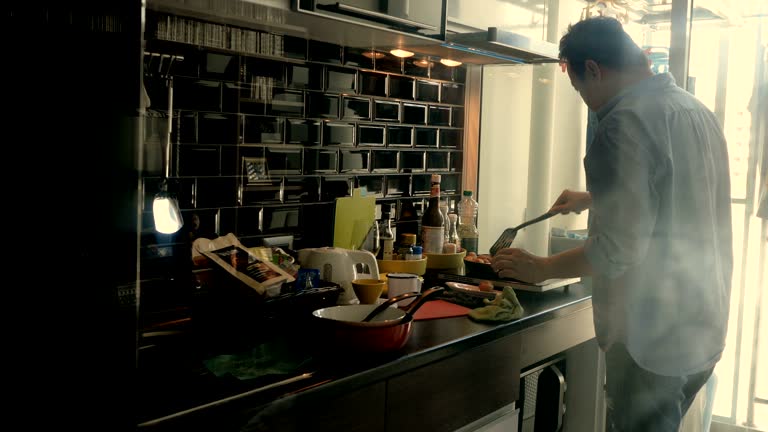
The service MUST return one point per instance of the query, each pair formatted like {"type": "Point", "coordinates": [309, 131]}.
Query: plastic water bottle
{"type": "Point", "coordinates": [467, 229]}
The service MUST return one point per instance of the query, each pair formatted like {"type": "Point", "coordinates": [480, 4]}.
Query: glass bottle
{"type": "Point", "coordinates": [386, 236]}
{"type": "Point", "coordinates": [453, 235]}
{"type": "Point", "coordinates": [467, 229]}
{"type": "Point", "coordinates": [432, 222]}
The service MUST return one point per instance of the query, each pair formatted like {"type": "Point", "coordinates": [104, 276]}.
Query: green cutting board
{"type": "Point", "coordinates": [354, 217]}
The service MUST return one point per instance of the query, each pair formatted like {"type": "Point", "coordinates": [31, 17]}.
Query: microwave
{"type": "Point", "coordinates": [420, 17]}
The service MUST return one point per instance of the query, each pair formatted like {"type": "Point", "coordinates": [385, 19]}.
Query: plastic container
{"type": "Point", "coordinates": [467, 228]}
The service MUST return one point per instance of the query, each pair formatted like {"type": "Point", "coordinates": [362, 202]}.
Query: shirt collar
{"type": "Point", "coordinates": [651, 83]}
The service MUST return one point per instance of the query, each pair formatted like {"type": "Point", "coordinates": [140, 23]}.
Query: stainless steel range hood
{"type": "Point", "coordinates": [504, 46]}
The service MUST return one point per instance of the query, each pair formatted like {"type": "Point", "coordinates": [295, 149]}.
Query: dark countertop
{"type": "Point", "coordinates": [182, 387]}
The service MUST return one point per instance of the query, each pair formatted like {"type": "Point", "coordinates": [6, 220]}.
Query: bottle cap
{"type": "Point", "coordinates": [467, 193]}
{"type": "Point", "coordinates": [417, 250]}
{"type": "Point", "coordinates": [435, 178]}
{"type": "Point", "coordinates": [408, 238]}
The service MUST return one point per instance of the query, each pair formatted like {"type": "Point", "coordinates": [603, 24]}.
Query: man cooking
{"type": "Point", "coordinates": [659, 247]}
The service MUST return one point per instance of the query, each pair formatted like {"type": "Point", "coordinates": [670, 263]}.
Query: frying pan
{"type": "Point", "coordinates": [340, 328]}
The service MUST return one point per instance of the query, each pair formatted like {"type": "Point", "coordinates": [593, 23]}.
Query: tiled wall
{"type": "Point", "coordinates": [269, 130]}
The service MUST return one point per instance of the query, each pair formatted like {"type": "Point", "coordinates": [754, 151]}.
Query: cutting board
{"type": "Point", "coordinates": [439, 309]}
{"type": "Point", "coordinates": [354, 217]}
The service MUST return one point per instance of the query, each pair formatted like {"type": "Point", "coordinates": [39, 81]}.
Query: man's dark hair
{"type": "Point", "coordinates": [603, 40]}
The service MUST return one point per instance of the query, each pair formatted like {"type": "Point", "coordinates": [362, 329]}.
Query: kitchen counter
{"type": "Point", "coordinates": [356, 389]}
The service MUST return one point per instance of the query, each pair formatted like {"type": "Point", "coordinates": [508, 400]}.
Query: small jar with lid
{"type": "Point", "coordinates": [407, 242]}
{"type": "Point", "coordinates": [415, 254]}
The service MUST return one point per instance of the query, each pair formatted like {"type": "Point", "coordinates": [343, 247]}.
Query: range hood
{"type": "Point", "coordinates": [504, 46]}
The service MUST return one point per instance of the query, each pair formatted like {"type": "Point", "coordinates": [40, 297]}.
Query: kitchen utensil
{"type": "Point", "coordinates": [340, 329]}
{"type": "Point", "coordinates": [508, 236]}
{"type": "Point", "coordinates": [389, 302]}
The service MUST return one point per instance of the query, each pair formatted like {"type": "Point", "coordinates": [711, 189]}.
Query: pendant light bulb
{"type": "Point", "coordinates": [401, 53]}
{"type": "Point", "coordinates": [165, 210]}
{"type": "Point", "coordinates": [450, 63]}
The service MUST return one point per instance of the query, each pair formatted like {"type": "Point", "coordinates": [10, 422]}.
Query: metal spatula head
{"type": "Point", "coordinates": [508, 235]}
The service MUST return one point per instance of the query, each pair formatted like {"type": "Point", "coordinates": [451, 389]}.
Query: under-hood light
{"type": "Point", "coordinates": [422, 63]}
{"type": "Point", "coordinates": [373, 54]}
{"type": "Point", "coordinates": [401, 53]}
{"type": "Point", "coordinates": [450, 63]}
{"type": "Point", "coordinates": [483, 53]}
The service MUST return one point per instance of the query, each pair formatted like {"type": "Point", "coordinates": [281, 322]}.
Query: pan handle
{"type": "Point", "coordinates": [425, 296]}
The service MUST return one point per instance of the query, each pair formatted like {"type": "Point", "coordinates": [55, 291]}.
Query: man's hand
{"type": "Point", "coordinates": [571, 201]}
{"type": "Point", "coordinates": [521, 265]}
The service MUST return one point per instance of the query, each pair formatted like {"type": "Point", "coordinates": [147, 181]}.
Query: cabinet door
{"type": "Point", "coordinates": [451, 393]}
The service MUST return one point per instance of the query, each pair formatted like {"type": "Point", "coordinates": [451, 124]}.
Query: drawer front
{"type": "Point", "coordinates": [451, 393]}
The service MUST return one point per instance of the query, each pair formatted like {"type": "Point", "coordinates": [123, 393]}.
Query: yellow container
{"type": "Point", "coordinates": [445, 260]}
{"type": "Point", "coordinates": [417, 267]}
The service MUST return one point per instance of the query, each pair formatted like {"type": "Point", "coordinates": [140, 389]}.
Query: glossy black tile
{"type": "Point", "coordinates": [229, 160]}
{"type": "Point", "coordinates": [212, 192]}
{"type": "Point", "coordinates": [418, 66]}
{"type": "Point", "coordinates": [359, 57]}
{"type": "Point", "coordinates": [216, 128]}
{"type": "Point", "coordinates": [198, 160]}
{"type": "Point", "coordinates": [439, 116]}
{"type": "Point", "coordinates": [427, 91]}
{"type": "Point", "coordinates": [257, 130]}
{"type": "Point", "coordinates": [249, 221]}
{"type": "Point", "coordinates": [452, 93]}
{"type": "Point", "coordinates": [370, 135]}
{"type": "Point", "coordinates": [456, 161]}
{"type": "Point", "coordinates": [372, 83]}
{"type": "Point", "coordinates": [322, 106]}
{"type": "Point", "coordinates": [332, 187]}
{"type": "Point", "coordinates": [207, 223]}
{"type": "Point", "coordinates": [460, 74]}
{"type": "Point", "coordinates": [304, 76]}
{"type": "Point", "coordinates": [441, 72]}
{"type": "Point", "coordinates": [457, 117]}
{"type": "Point", "coordinates": [263, 75]}
{"type": "Point", "coordinates": [306, 132]}
{"type": "Point", "coordinates": [425, 137]}
{"type": "Point", "coordinates": [196, 94]}
{"type": "Point", "coordinates": [411, 161]}
{"type": "Point", "coordinates": [338, 134]}
{"type": "Point", "coordinates": [401, 87]}
{"type": "Point", "coordinates": [286, 103]}
{"type": "Point", "coordinates": [389, 63]}
{"type": "Point", "coordinates": [399, 136]}
{"type": "Point", "coordinates": [354, 161]}
{"type": "Point", "coordinates": [355, 108]}
{"type": "Point", "coordinates": [384, 161]}
{"type": "Point", "coordinates": [340, 80]}
{"type": "Point", "coordinates": [317, 230]}
{"type": "Point", "coordinates": [386, 111]}
{"type": "Point", "coordinates": [320, 161]}
{"type": "Point", "coordinates": [283, 160]}
{"type": "Point", "coordinates": [185, 129]}
{"type": "Point", "coordinates": [449, 183]}
{"type": "Point", "coordinates": [295, 47]}
{"type": "Point", "coordinates": [265, 192]}
{"type": "Point", "coordinates": [450, 138]}
{"type": "Point", "coordinates": [301, 189]}
{"type": "Point", "coordinates": [373, 185]}
{"type": "Point", "coordinates": [414, 113]}
{"type": "Point", "coordinates": [437, 161]}
{"type": "Point", "coordinates": [280, 219]}
{"type": "Point", "coordinates": [223, 67]}
{"type": "Point", "coordinates": [420, 184]}
{"type": "Point", "coordinates": [398, 185]}
{"type": "Point", "coordinates": [324, 52]}
{"type": "Point", "coordinates": [231, 94]}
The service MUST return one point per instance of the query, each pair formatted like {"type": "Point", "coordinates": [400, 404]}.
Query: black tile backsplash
{"type": "Point", "coordinates": [260, 142]}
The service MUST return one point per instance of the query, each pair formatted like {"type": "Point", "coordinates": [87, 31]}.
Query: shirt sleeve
{"type": "Point", "coordinates": [620, 167]}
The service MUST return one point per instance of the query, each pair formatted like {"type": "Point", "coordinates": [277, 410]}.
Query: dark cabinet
{"type": "Point", "coordinates": [454, 392]}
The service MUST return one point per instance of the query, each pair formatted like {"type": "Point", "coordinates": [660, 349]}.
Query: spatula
{"type": "Point", "coordinates": [508, 236]}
